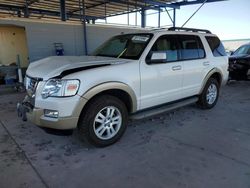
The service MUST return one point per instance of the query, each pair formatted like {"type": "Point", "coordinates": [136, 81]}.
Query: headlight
{"type": "Point", "coordinates": [60, 88]}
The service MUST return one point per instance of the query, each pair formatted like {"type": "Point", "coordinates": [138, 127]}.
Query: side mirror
{"type": "Point", "coordinates": [158, 57]}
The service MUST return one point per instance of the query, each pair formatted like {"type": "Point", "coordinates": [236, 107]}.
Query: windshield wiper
{"type": "Point", "coordinates": [122, 53]}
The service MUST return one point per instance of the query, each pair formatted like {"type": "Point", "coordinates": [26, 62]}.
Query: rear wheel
{"type": "Point", "coordinates": [209, 95]}
{"type": "Point", "coordinates": [104, 121]}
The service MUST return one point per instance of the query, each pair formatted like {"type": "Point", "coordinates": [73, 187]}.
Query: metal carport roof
{"type": "Point", "coordinates": [85, 9]}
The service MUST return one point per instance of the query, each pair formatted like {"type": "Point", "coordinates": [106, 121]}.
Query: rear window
{"type": "Point", "coordinates": [191, 47]}
{"type": "Point", "coordinates": [216, 46]}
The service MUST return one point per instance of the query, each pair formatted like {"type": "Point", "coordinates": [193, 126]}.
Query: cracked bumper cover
{"type": "Point", "coordinates": [36, 115]}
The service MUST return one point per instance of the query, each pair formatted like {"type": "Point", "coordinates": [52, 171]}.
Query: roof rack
{"type": "Point", "coordinates": [188, 29]}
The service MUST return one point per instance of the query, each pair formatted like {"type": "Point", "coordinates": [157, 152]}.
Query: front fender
{"type": "Point", "coordinates": [109, 86]}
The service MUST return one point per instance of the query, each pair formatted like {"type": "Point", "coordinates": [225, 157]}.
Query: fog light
{"type": "Point", "coordinates": [51, 113]}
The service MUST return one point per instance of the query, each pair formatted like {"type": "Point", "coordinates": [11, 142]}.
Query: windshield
{"type": "Point", "coordinates": [128, 46]}
{"type": "Point", "coordinates": [243, 50]}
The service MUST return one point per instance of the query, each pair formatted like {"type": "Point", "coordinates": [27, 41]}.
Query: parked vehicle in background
{"type": "Point", "coordinates": [133, 75]}
{"type": "Point", "coordinates": [239, 63]}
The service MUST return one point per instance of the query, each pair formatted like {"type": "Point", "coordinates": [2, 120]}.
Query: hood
{"type": "Point", "coordinates": [57, 65]}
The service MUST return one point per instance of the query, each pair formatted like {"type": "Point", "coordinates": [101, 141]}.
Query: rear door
{"type": "Point", "coordinates": [195, 63]}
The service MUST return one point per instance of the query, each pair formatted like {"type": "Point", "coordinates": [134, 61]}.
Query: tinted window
{"type": "Point", "coordinates": [243, 50]}
{"type": "Point", "coordinates": [216, 46]}
{"type": "Point", "coordinates": [191, 47]}
{"type": "Point", "coordinates": [168, 45]}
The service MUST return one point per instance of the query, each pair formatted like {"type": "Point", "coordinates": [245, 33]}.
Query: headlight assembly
{"type": "Point", "coordinates": [60, 88]}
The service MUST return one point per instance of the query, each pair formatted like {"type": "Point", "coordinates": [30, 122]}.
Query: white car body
{"type": "Point", "coordinates": [151, 85]}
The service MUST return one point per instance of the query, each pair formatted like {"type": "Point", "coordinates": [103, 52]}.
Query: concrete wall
{"type": "Point", "coordinates": [42, 35]}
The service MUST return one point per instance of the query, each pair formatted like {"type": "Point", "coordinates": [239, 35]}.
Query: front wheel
{"type": "Point", "coordinates": [104, 121]}
{"type": "Point", "coordinates": [209, 95]}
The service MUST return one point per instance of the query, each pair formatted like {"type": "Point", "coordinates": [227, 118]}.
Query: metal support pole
{"type": "Point", "coordinates": [63, 10]}
{"type": "Point", "coordinates": [136, 18]}
{"type": "Point", "coordinates": [80, 8]}
{"type": "Point", "coordinates": [19, 13]}
{"type": "Point", "coordinates": [105, 12]}
{"type": "Point", "coordinates": [136, 13]}
{"type": "Point", "coordinates": [128, 10]}
{"type": "Point", "coordinates": [194, 13]}
{"type": "Point", "coordinates": [169, 15]}
{"type": "Point", "coordinates": [159, 18]}
{"type": "Point", "coordinates": [26, 9]}
{"type": "Point", "coordinates": [143, 18]}
{"type": "Point", "coordinates": [174, 17]}
{"type": "Point", "coordinates": [84, 29]}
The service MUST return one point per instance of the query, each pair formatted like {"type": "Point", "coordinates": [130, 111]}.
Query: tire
{"type": "Point", "coordinates": [104, 121]}
{"type": "Point", "coordinates": [206, 102]}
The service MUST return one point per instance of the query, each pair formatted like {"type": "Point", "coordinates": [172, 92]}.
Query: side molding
{"type": "Point", "coordinates": [109, 86]}
{"type": "Point", "coordinates": [210, 73]}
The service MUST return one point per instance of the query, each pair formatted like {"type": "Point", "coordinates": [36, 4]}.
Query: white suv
{"type": "Point", "coordinates": [132, 75]}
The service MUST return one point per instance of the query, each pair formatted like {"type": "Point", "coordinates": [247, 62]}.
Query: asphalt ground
{"type": "Point", "coordinates": [188, 147]}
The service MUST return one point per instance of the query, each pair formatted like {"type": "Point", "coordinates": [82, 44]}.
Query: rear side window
{"type": "Point", "coordinates": [216, 46]}
{"type": "Point", "coordinates": [191, 47]}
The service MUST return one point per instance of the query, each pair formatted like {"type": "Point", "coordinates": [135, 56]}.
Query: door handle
{"type": "Point", "coordinates": [206, 63]}
{"type": "Point", "coordinates": [175, 68]}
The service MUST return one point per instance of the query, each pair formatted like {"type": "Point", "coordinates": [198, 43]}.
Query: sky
{"type": "Point", "coordinates": [228, 19]}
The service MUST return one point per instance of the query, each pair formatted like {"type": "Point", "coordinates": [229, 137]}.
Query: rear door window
{"type": "Point", "coordinates": [190, 47]}
{"type": "Point", "coordinates": [216, 46]}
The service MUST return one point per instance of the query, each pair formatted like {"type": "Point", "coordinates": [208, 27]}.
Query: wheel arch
{"type": "Point", "coordinates": [116, 89]}
{"type": "Point", "coordinates": [214, 73]}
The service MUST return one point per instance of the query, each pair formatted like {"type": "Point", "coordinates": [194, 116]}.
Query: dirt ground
{"type": "Point", "coordinates": [185, 148]}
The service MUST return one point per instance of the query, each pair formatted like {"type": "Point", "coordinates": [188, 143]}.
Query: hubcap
{"type": "Point", "coordinates": [211, 94]}
{"type": "Point", "coordinates": [107, 122]}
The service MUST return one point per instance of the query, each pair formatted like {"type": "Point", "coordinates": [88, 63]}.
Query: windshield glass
{"type": "Point", "coordinates": [243, 50]}
{"type": "Point", "coordinates": [128, 46]}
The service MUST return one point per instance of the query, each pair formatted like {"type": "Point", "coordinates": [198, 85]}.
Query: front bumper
{"type": "Point", "coordinates": [36, 116]}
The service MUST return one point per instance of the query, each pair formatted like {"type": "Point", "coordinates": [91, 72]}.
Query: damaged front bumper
{"type": "Point", "coordinates": [24, 107]}
{"type": "Point", "coordinates": [28, 112]}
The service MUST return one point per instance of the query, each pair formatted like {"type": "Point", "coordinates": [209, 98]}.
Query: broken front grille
{"type": "Point", "coordinates": [31, 84]}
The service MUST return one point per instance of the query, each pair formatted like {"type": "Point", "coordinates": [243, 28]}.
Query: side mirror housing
{"type": "Point", "coordinates": [157, 57]}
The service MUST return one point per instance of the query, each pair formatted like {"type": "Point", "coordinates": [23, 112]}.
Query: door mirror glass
{"type": "Point", "coordinates": [158, 57]}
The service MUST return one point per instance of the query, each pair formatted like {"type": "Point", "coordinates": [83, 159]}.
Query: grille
{"type": "Point", "coordinates": [31, 84]}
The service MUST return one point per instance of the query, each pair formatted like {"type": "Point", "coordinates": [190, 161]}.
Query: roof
{"type": "Point", "coordinates": [93, 9]}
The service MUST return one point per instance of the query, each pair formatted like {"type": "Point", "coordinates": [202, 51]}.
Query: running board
{"type": "Point", "coordinates": [162, 109]}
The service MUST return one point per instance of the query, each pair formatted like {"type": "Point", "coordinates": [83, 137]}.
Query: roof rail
{"type": "Point", "coordinates": [188, 29]}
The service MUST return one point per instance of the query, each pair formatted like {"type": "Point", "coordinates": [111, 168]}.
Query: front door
{"type": "Point", "coordinates": [161, 82]}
